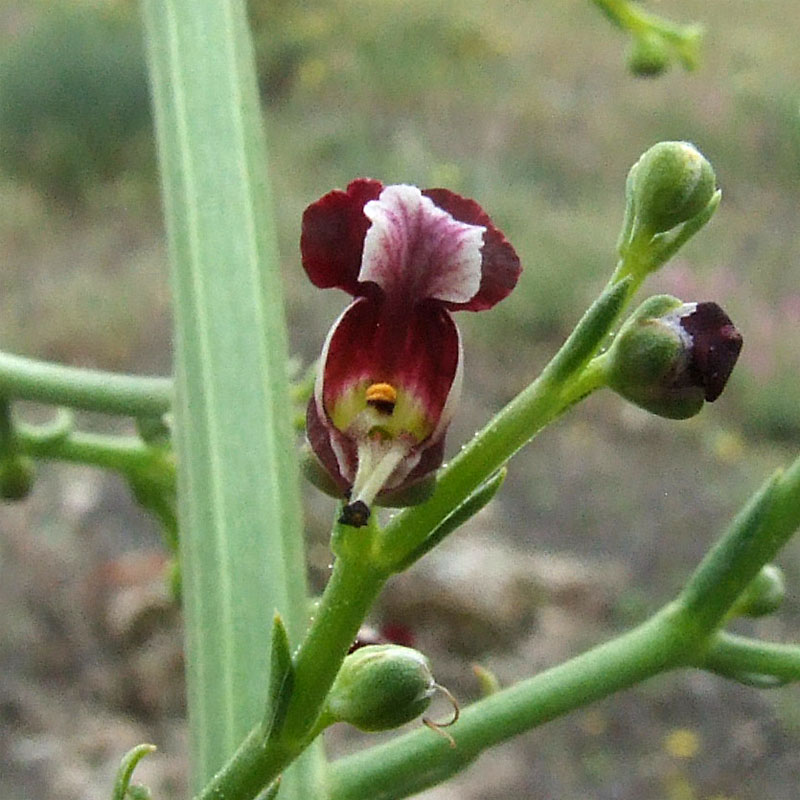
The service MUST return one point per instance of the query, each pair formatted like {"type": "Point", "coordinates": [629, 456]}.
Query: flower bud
{"type": "Point", "coordinates": [648, 56]}
{"type": "Point", "coordinates": [16, 477]}
{"type": "Point", "coordinates": [671, 183]}
{"type": "Point", "coordinates": [670, 357]}
{"type": "Point", "coordinates": [763, 595]}
{"type": "Point", "coordinates": [381, 687]}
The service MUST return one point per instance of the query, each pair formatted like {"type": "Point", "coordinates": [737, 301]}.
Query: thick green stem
{"type": "Point", "coordinates": [89, 389]}
{"type": "Point", "coordinates": [350, 593]}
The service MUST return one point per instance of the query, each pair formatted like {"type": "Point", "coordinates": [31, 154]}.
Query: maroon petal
{"type": "Point", "coordinates": [332, 237]}
{"type": "Point", "coordinates": [715, 347]}
{"type": "Point", "coordinates": [500, 267]}
{"type": "Point", "coordinates": [417, 351]}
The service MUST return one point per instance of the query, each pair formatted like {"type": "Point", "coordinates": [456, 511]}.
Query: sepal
{"type": "Point", "coordinates": [281, 677]}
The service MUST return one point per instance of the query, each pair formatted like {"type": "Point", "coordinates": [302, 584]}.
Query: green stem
{"type": "Point", "coordinates": [732, 656]}
{"type": "Point", "coordinates": [124, 454]}
{"type": "Point", "coordinates": [755, 536]}
{"type": "Point", "coordinates": [93, 390]}
{"type": "Point", "coordinates": [351, 591]}
{"type": "Point", "coordinates": [417, 760]}
{"type": "Point", "coordinates": [631, 17]}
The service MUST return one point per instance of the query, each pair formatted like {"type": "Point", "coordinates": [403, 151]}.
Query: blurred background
{"type": "Point", "coordinates": [527, 107]}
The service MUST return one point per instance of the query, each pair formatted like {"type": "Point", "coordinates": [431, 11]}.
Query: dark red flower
{"type": "Point", "coordinates": [672, 357]}
{"type": "Point", "coordinates": [390, 371]}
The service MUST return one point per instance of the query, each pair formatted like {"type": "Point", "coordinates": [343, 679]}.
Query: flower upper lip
{"type": "Point", "coordinates": [335, 228]}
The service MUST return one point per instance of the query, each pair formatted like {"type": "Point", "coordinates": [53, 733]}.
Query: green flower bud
{"type": "Point", "coordinates": [17, 474]}
{"type": "Point", "coordinates": [763, 595]}
{"type": "Point", "coordinates": [648, 56]}
{"type": "Point", "coordinates": [671, 183]}
{"type": "Point", "coordinates": [381, 687]}
{"type": "Point", "coordinates": [670, 357]}
{"type": "Point", "coordinates": [155, 430]}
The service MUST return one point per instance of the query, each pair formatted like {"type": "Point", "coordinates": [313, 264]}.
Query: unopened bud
{"type": "Point", "coordinates": [381, 687]}
{"type": "Point", "coordinates": [671, 183]}
{"type": "Point", "coordinates": [17, 474]}
{"type": "Point", "coordinates": [670, 357]}
{"type": "Point", "coordinates": [763, 595]}
{"type": "Point", "coordinates": [648, 56]}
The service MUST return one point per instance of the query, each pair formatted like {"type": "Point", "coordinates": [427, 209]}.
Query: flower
{"type": "Point", "coordinates": [671, 357]}
{"type": "Point", "coordinates": [390, 370]}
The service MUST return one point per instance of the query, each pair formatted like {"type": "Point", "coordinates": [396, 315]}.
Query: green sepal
{"type": "Point", "coordinates": [467, 509]}
{"type": "Point", "coordinates": [665, 245]}
{"type": "Point", "coordinates": [281, 677]}
{"type": "Point", "coordinates": [122, 782]}
{"type": "Point", "coordinates": [646, 362]}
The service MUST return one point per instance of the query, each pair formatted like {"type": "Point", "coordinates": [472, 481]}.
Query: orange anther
{"type": "Point", "coordinates": [382, 397]}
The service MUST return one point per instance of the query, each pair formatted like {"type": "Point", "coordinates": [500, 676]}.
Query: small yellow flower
{"type": "Point", "coordinates": [682, 743]}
